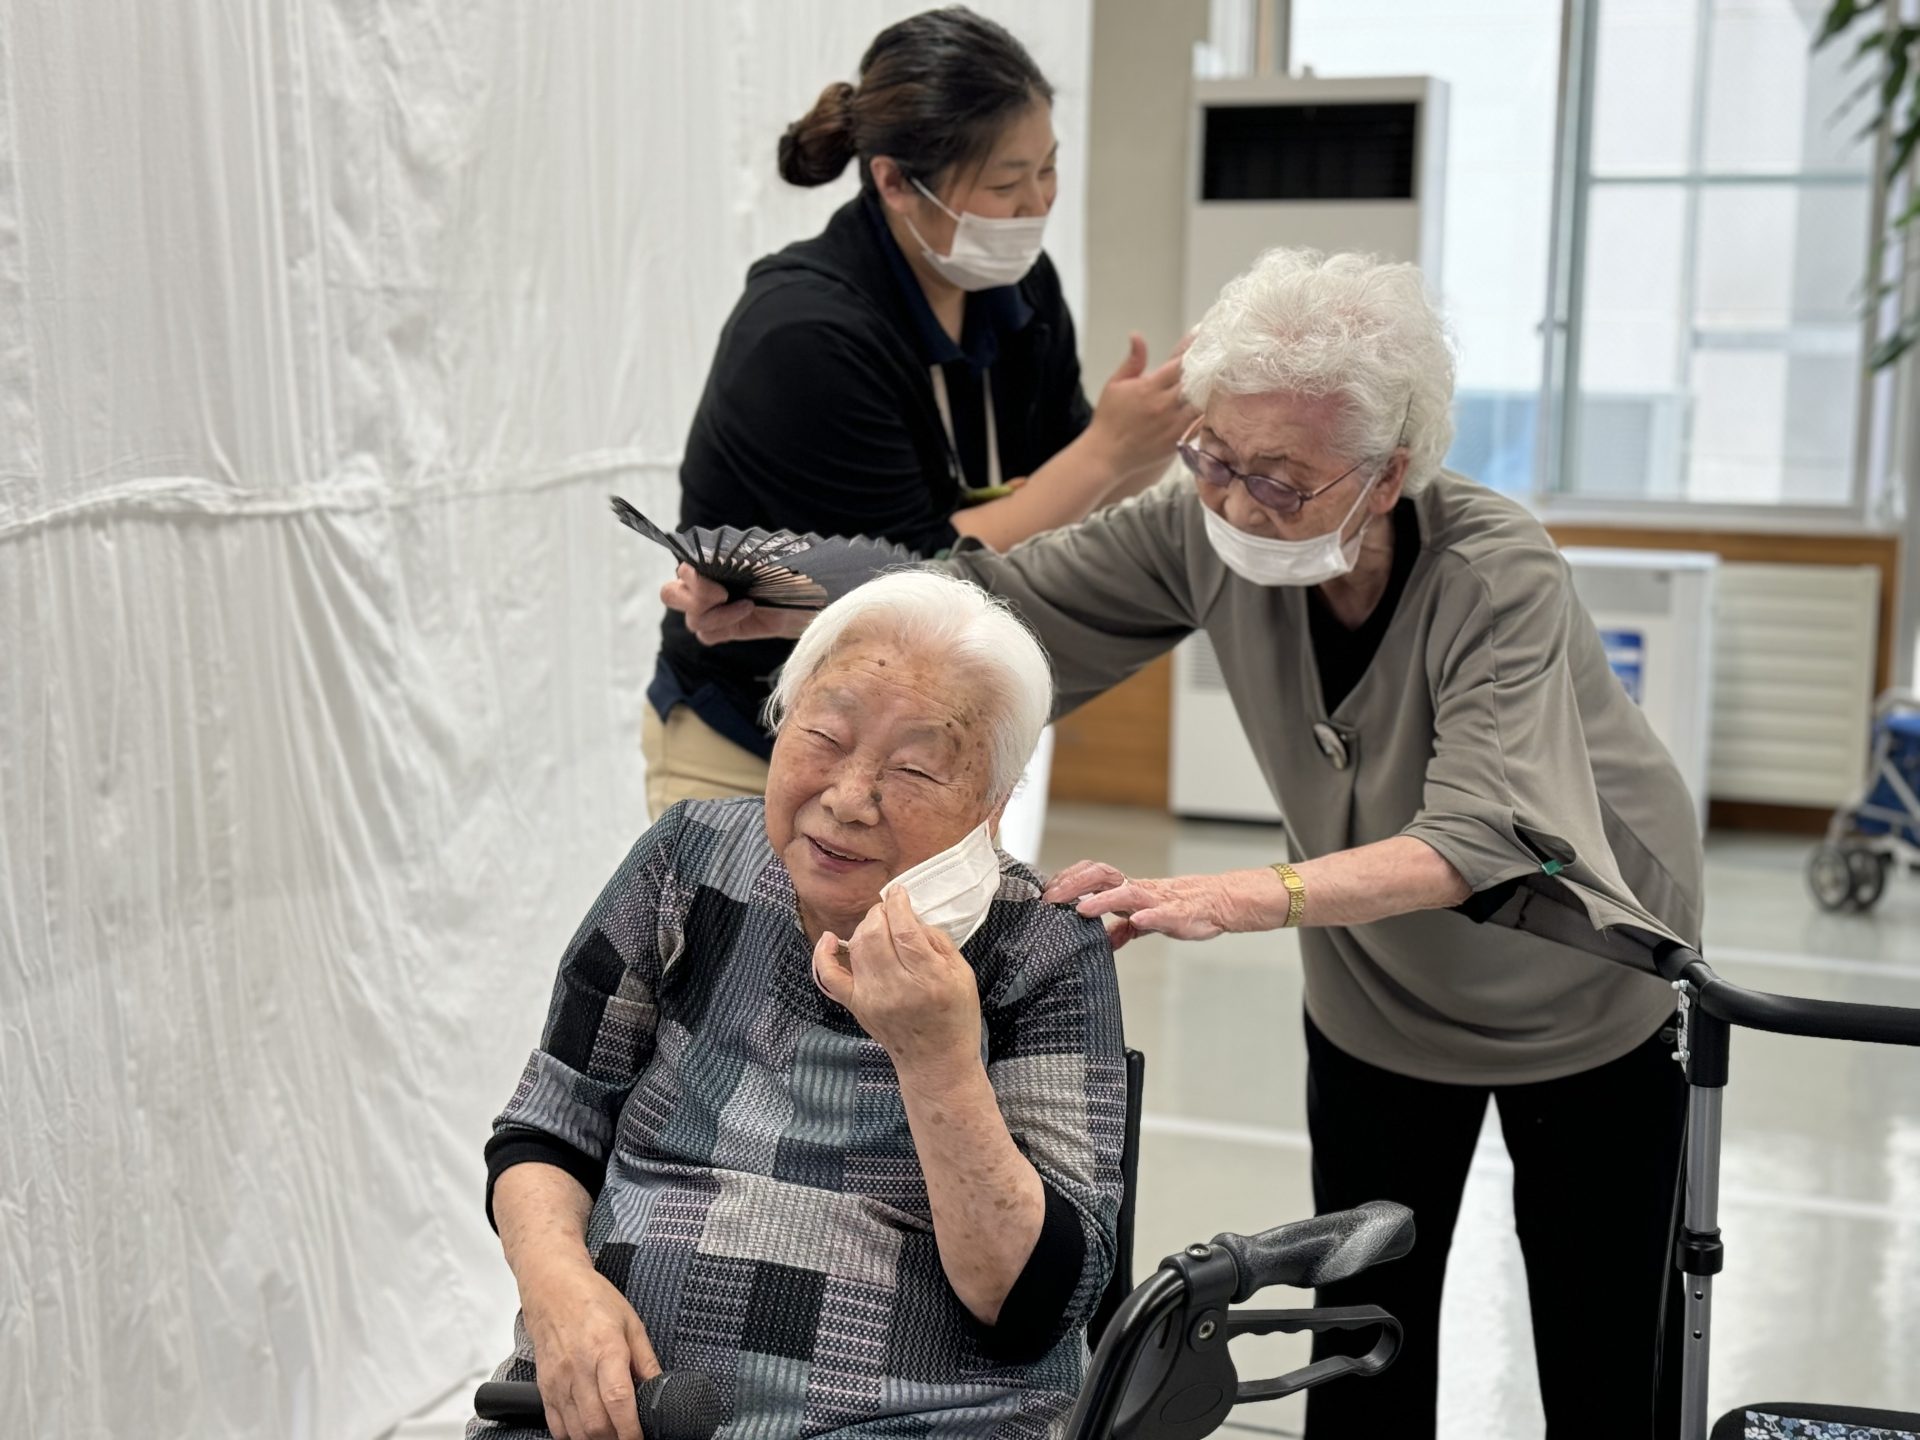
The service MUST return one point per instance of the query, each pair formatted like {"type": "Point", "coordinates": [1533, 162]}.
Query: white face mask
{"type": "Point", "coordinates": [1266, 561]}
{"type": "Point", "coordinates": [952, 891]}
{"type": "Point", "coordinates": [985, 253]}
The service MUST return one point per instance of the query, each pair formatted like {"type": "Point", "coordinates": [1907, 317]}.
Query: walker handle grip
{"type": "Point", "coordinates": [1311, 1253]}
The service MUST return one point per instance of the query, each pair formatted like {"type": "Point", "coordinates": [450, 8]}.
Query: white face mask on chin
{"type": "Point", "coordinates": [985, 254]}
{"type": "Point", "coordinates": [951, 891]}
{"type": "Point", "coordinates": [1267, 561]}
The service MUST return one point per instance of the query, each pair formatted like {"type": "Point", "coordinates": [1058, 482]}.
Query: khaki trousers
{"type": "Point", "coordinates": [687, 759]}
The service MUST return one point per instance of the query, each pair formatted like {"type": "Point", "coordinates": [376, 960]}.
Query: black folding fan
{"type": "Point", "coordinates": [775, 568]}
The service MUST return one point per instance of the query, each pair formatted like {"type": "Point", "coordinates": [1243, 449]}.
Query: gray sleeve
{"type": "Point", "coordinates": [1509, 790]}
{"type": "Point", "coordinates": [602, 1020]}
{"type": "Point", "coordinates": [1105, 596]}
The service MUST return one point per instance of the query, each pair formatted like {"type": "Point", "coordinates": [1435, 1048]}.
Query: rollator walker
{"type": "Point", "coordinates": [1709, 1010]}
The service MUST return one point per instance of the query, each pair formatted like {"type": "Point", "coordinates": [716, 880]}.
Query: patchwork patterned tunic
{"type": "Point", "coordinates": [758, 1195]}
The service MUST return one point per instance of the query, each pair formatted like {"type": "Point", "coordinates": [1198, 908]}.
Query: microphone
{"type": "Point", "coordinates": [674, 1405]}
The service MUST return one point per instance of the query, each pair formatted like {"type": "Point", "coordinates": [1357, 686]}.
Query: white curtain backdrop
{"type": "Point", "coordinates": [326, 327]}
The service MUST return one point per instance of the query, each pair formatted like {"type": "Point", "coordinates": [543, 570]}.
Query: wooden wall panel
{"type": "Point", "coordinates": [1114, 750]}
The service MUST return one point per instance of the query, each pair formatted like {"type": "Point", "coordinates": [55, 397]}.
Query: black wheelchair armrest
{"type": "Point", "coordinates": [1316, 1322]}
{"type": "Point", "coordinates": [1163, 1371]}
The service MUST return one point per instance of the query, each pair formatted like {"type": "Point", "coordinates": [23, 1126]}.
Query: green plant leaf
{"type": "Point", "coordinates": [1837, 19]}
{"type": "Point", "coordinates": [1842, 14]}
{"type": "Point", "coordinates": [1907, 216]}
{"type": "Point", "coordinates": [1896, 76]}
{"type": "Point", "coordinates": [1903, 144]}
{"type": "Point", "coordinates": [1905, 139]}
{"type": "Point", "coordinates": [1901, 37]}
{"type": "Point", "coordinates": [1894, 346]}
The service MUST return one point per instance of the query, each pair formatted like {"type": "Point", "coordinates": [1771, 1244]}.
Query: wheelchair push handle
{"type": "Point", "coordinates": [1311, 1253]}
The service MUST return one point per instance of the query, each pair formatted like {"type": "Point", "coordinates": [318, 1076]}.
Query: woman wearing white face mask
{"type": "Point", "coordinates": [909, 373]}
{"type": "Point", "coordinates": [1477, 814]}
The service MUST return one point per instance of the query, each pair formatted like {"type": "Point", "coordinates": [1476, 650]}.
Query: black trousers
{"type": "Point", "coordinates": [1596, 1168]}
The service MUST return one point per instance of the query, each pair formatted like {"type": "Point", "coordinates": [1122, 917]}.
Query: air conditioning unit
{"type": "Point", "coordinates": [1337, 164]}
{"type": "Point", "coordinates": [1654, 611]}
{"type": "Point", "coordinates": [1355, 164]}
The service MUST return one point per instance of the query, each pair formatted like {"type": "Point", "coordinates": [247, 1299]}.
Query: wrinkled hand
{"type": "Point", "coordinates": [1140, 413]}
{"type": "Point", "coordinates": [1187, 907]}
{"type": "Point", "coordinates": [716, 620]}
{"type": "Point", "coordinates": [907, 984]}
{"type": "Point", "coordinates": [588, 1346]}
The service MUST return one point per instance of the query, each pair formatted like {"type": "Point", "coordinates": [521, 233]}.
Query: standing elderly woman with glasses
{"type": "Point", "coordinates": [1478, 815]}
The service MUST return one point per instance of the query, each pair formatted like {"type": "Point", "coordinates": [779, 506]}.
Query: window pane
{"type": "Point", "coordinates": [1631, 407]}
{"type": "Point", "coordinates": [1718, 317]}
{"type": "Point", "coordinates": [1771, 427]}
{"type": "Point", "coordinates": [1643, 87]}
{"type": "Point", "coordinates": [1630, 335]}
{"type": "Point", "coordinates": [1771, 105]}
{"type": "Point", "coordinates": [1832, 228]}
{"type": "Point", "coordinates": [1777, 256]}
{"type": "Point", "coordinates": [1745, 257]}
{"type": "Point", "coordinates": [1630, 443]}
{"type": "Point", "coordinates": [1739, 420]}
{"type": "Point", "coordinates": [1500, 59]}
{"type": "Point", "coordinates": [1823, 403]}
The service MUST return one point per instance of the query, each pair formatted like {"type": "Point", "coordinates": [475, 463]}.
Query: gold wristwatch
{"type": "Point", "coordinates": [1296, 893]}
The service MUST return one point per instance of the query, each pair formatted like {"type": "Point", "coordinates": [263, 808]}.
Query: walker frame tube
{"type": "Point", "coordinates": [1709, 1009]}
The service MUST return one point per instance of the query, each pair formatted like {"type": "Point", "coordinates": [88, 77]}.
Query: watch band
{"type": "Point", "coordinates": [1296, 893]}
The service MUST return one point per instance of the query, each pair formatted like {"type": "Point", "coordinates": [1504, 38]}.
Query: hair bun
{"type": "Point", "coordinates": [819, 145]}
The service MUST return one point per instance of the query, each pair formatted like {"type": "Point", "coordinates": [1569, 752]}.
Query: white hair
{"type": "Point", "coordinates": [976, 639]}
{"type": "Point", "coordinates": [1357, 327]}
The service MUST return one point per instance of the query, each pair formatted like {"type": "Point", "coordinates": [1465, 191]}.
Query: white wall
{"type": "Point", "coordinates": [1141, 109]}
{"type": "Point", "coordinates": [325, 329]}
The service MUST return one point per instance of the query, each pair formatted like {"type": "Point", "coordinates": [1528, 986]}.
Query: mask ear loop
{"type": "Point", "coordinates": [950, 214]}
{"type": "Point", "coordinates": [1405, 419]}
{"type": "Point", "coordinates": [914, 229]}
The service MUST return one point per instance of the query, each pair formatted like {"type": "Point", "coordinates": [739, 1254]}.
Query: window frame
{"type": "Point", "coordinates": [1872, 500]}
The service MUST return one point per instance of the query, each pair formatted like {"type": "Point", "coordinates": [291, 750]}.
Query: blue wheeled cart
{"type": "Point", "coordinates": [1881, 827]}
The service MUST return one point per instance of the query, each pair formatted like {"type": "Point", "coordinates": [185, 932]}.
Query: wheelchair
{"type": "Point", "coordinates": [1161, 1369]}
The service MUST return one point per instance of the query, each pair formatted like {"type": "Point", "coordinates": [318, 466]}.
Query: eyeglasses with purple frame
{"type": "Point", "coordinates": [1276, 495]}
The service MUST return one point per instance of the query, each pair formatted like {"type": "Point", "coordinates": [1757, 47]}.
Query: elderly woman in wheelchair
{"type": "Point", "coordinates": [829, 1105]}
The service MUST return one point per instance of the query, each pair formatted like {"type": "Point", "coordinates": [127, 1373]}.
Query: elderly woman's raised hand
{"type": "Point", "coordinates": [906, 983]}
{"type": "Point", "coordinates": [716, 620]}
{"type": "Point", "coordinates": [1187, 907]}
{"type": "Point", "coordinates": [588, 1345]}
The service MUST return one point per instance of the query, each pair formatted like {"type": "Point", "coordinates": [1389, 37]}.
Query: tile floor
{"type": "Point", "coordinates": [1821, 1177]}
